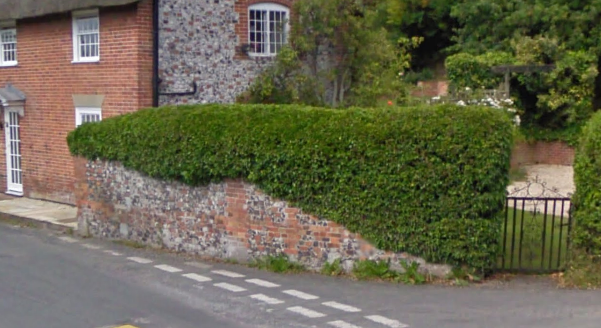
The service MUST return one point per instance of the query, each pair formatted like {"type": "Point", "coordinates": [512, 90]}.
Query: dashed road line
{"type": "Point", "coordinates": [140, 260]}
{"type": "Point", "coordinates": [306, 312]}
{"type": "Point", "coordinates": [262, 283]}
{"type": "Point", "coordinates": [300, 294]}
{"type": "Point", "coordinates": [89, 246]}
{"type": "Point", "coordinates": [197, 277]}
{"type": "Point", "coordinates": [342, 307]}
{"type": "Point", "coordinates": [266, 299]}
{"type": "Point", "coordinates": [342, 324]}
{"type": "Point", "coordinates": [68, 239]}
{"type": "Point", "coordinates": [228, 273]}
{"type": "Point", "coordinates": [168, 268]}
{"type": "Point", "coordinates": [112, 253]}
{"type": "Point", "coordinates": [385, 321]}
{"type": "Point", "coordinates": [230, 287]}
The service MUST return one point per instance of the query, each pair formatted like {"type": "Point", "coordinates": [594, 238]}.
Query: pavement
{"type": "Point", "coordinates": [53, 280]}
{"type": "Point", "coordinates": [38, 212]}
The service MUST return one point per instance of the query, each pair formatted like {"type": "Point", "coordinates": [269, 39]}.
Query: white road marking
{"type": "Point", "coordinates": [306, 312]}
{"type": "Point", "coordinates": [266, 299]}
{"type": "Point", "coordinates": [342, 307]}
{"type": "Point", "coordinates": [262, 283]}
{"type": "Point", "coordinates": [385, 321]}
{"type": "Point", "coordinates": [68, 239]}
{"type": "Point", "coordinates": [168, 268]}
{"type": "Point", "coordinates": [342, 324]}
{"type": "Point", "coordinates": [140, 260]}
{"type": "Point", "coordinates": [228, 274]}
{"type": "Point", "coordinates": [300, 294]}
{"type": "Point", "coordinates": [113, 253]}
{"type": "Point", "coordinates": [197, 277]}
{"type": "Point", "coordinates": [199, 265]}
{"type": "Point", "coordinates": [230, 287]}
{"type": "Point", "coordinates": [90, 246]}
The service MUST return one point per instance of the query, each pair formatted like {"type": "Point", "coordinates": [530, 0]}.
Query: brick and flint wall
{"type": "Point", "coordinates": [232, 219]}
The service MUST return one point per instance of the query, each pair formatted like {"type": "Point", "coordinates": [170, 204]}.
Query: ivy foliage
{"type": "Point", "coordinates": [429, 181]}
{"type": "Point", "coordinates": [587, 198]}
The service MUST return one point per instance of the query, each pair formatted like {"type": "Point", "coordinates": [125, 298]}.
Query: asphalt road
{"type": "Point", "coordinates": [50, 280]}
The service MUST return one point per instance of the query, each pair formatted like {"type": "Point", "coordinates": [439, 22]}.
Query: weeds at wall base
{"type": "Point", "coordinates": [278, 264]}
{"type": "Point", "coordinates": [583, 271]}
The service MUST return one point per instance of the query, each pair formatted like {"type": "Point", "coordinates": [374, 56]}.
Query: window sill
{"type": "Point", "coordinates": [251, 55]}
{"type": "Point", "coordinates": [90, 61]}
{"type": "Point", "coordinates": [9, 65]}
{"type": "Point", "coordinates": [14, 193]}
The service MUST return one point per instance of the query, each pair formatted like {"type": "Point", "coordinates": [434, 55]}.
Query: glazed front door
{"type": "Point", "coordinates": [14, 174]}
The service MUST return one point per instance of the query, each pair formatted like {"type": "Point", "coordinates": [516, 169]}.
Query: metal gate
{"type": "Point", "coordinates": [536, 230]}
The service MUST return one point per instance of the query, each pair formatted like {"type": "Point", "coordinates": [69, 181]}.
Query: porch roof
{"type": "Point", "coordinates": [10, 95]}
{"type": "Point", "coordinates": [19, 9]}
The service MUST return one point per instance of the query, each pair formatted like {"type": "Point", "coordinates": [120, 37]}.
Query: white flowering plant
{"type": "Point", "coordinates": [489, 98]}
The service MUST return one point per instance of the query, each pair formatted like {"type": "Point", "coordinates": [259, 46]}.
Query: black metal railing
{"type": "Point", "coordinates": [536, 234]}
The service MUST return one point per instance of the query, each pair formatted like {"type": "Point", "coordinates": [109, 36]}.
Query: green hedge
{"type": "Point", "coordinates": [429, 181]}
{"type": "Point", "coordinates": [587, 198]}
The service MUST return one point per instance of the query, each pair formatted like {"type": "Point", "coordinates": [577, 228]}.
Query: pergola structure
{"type": "Point", "coordinates": [507, 69]}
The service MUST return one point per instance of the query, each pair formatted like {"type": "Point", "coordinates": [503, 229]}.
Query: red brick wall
{"type": "Point", "coordinates": [540, 152]}
{"type": "Point", "coordinates": [49, 79]}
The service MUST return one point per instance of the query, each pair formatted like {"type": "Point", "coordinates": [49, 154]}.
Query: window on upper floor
{"type": "Point", "coordinates": [87, 114]}
{"type": "Point", "coordinates": [86, 36]}
{"type": "Point", "coordinates": [267, 28]}
{"type": "Point", "coordinates": [8, 46]}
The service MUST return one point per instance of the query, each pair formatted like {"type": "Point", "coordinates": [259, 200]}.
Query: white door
{"type": "Point", "coordinates": [13, 152]}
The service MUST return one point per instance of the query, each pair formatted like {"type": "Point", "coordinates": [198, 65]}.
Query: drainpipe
{"type": "Point", "coordinates": [155, 53]}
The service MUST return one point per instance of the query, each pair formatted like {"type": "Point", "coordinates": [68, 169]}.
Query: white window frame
{"type": "Point", "coordinates": [80, 111]}
{"type": "Point", "coordinates": [269, 7]}
{"type": "Point", "coordinates": [5, 28]}
{"type": "Point", "coordinates": [78, 15]}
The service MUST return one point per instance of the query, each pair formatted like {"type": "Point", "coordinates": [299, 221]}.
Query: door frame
{"type": "Point", "coordinates": [13, 188]}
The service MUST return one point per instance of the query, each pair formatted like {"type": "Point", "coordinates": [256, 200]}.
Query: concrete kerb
{"type": "Point", "coordinates": [13, 219]}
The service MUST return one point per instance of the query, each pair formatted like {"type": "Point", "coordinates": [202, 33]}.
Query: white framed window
{"type": "Point", "coordinates": [86, 36]}
{"type": "Point", "coordinates": [87, 114]}
{"type": "Point", "coordinates": [8, 46]}
{"type": "Point", "coordinates": [267, 28]}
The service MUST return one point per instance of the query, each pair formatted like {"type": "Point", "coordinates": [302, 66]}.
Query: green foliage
{"type": "Point", "coordinates": [411, 276]}
{"type": "Point", "coordinates": [565, 33]}
{"type": "Point", "coordinates": [368, 270]}
{"type": "Point", "coordinates": [466, 70]}
{"type": "Point", "coordinates": [427, 19]}
{"type": "Point", "coordinates": [428, 181]}
{"type": "Point", "coordinates": [587, 198]}
{"type": "Point", "coordinates": [331, 60]}
{"type": "Point", "coordinates": [583, 271]}
{"type": "Point", "coordinates": [278, 264]}
{"type": "Point", "coordinates": [569, 134]}
{"type": "Point", "coordinates": [380, 270]}
{"type": "Point", "coordinates": [332, 269]}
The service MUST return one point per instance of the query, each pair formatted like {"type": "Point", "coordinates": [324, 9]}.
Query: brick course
{"type": "Point", "coordinates": [49, 79]}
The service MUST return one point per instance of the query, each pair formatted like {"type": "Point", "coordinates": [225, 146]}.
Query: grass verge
{"type": "Point", "coordinates": [534, 242]}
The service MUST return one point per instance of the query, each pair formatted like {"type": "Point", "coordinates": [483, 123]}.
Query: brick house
{"type": "Point", "coordinates": [66, 62]}
{"type": "Point", "coordinates": [63, 63]}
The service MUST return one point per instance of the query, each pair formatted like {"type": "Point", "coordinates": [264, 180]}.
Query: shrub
{"type": "Point", "coordinates": [587, 198]}
{"type": "Point", "coordinates": [429, 181]}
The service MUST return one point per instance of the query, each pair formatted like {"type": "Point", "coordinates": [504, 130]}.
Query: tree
{"type": "Point", "coordinates": [566, 33]}
{"type": "Point", "coordinates": [338, 55]}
